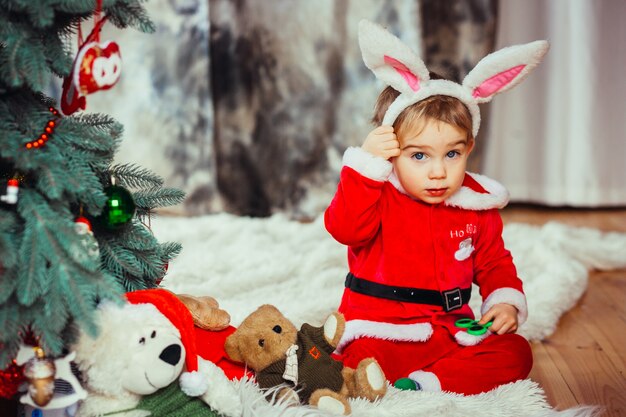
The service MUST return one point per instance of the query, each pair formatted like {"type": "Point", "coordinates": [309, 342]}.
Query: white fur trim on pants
{"type": "Point", "coordinates": [465, 339]}
{"type": "Point", "coordinates": [507, 296]}
{"type": "Point", "coordinates": [427, 380]}
{"type": "Point", "coordinates": [366, 164]}
{"type": "Point", "coordinates": [355, 329]}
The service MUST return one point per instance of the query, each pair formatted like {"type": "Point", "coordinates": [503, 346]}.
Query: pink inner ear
{"type": "Point", "coordinates": [497, 82]}
{"type": "Point", "coordinates": [410, 78]}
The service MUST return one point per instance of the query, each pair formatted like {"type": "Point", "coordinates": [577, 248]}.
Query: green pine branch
{"type": "Point", "coordinates": [130, 14]}
{"type": "Point", "coordinates": [161, 197]}
{"type": "Point", "coordinates": [22, 57]}
{"type": "Point", "coordinates": [133, 176]}
{"type": "Point", "coordinates": [10, 325]}
{"type": "Point", "coordinates": [8, 240]}
{"type": "Point", "coordinates": [170, 250]}
{"type": "Point", "coordinates": [134, 256]}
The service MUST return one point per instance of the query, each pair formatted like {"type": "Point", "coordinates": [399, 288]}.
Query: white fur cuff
{"type": "Point", "coordinates": [427, 380]}
{"type": "Point", "coordinates": [366, 164]}
{"type": "Point", "coordinates": [507, 296]}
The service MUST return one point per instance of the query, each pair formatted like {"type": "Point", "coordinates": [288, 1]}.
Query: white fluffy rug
{"type": "Point", "coordinates": [246, 262]}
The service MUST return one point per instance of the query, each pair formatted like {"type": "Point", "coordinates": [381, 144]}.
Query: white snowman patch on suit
{"type": "Point", "coordinates": [465, 250]}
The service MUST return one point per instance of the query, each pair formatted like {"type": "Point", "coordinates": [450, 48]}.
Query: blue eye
{"type": "Point", "coordinates": [452, 154]}
{"type": "Point", "coordinates": [419, 156]}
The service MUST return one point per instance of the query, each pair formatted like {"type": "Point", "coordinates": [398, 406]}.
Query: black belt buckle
{"type": "Point", "coordinates": [452, 299]}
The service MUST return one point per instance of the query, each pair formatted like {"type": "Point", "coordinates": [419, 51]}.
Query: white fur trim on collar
{"type": "Point", "coordinates": [507, 296]}
{"type": "Point", "coordinates": [366, 164]}
{"type": "Point", "coordinates": [497, 196]}
{"type": "Point", "coordinates": [355, 329]}
{"type": "Point", "coordinates": [468, 199]}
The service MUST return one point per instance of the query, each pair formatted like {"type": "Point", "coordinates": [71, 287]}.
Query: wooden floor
{"type": "Point", "coordinates": [584, 361]}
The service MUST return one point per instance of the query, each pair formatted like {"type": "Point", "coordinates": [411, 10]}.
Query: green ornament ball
{"type": "Point", "coordinates": [405, 384]}
{"type": "Point", "coordinates": [119, 209]}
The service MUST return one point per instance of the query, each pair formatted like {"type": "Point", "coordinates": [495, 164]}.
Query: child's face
{"type": "Point", "coordinates": [431, 165]}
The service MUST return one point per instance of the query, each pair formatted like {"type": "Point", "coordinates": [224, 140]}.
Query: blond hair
{"type": "Point", "coordinates": [442, 108]}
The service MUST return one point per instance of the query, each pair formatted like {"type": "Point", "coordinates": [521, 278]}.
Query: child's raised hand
{"type": "Point", "coordinates": [504, 318]}
{"type": "Point", "coordinates": [382, 142]}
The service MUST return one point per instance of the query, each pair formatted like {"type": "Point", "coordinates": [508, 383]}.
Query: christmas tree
{"type": "Point", "coordinates": [58, 180]}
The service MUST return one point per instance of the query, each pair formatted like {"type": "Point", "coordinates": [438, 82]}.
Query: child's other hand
{"type": "Point", "coordinates": [504, 318]}
{"type": "Point", "coordinates": [382, 142]}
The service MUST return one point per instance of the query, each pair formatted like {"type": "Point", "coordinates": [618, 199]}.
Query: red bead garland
{"type": "Point", "coordinates": [48, 131]}
{"type": "Point", "coordinates": [12, 377]}
{"type": "Point", "coordinates": [10, 380]}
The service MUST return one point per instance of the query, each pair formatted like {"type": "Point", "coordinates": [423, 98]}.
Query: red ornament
{"type": "Point", "coordinates": [10, 380]}
{"type": "Point", "coordinates": [85, 221]}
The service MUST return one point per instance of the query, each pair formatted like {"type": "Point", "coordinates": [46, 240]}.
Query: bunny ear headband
{"type": "Point", "coordinates": [397, 65]}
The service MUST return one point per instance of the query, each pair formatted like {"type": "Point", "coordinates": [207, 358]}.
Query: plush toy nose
{"type": "Point", "coordinates": [171, 354]}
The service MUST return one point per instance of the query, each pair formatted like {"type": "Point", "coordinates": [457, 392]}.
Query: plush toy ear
{"type": "Point", "coordinates": [504, 69]}
{"type": "Point", "coordinates": [231, 346]}
{"type": "Point", "coordinates": [390, 59]}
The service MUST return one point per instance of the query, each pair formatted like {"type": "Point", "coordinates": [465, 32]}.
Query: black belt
{"type": "Point", "coordinates": [449, 300]}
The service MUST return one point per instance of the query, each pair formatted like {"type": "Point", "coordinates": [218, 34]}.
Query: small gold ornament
{"type": "Point", "coordinates": [40, 373]}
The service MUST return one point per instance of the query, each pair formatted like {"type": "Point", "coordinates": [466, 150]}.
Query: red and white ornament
{"type": "Point", "coordinates": [10, 196]}
{"type": "Point", "coordinates": [41, 372]}
{"type": "Point", "coordinates": [89, 244]}
{"type": "Point", "coordinates": [98, 66]}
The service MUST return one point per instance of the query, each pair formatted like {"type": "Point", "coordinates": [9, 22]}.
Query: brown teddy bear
{"type": "Point", "coordinates": [280, 354]}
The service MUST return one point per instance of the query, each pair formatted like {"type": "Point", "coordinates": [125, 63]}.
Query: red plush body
{"type": "Point", "coordinates": [210, 345]}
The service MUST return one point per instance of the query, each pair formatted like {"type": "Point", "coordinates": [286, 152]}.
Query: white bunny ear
{"type": "Point", "coordinates": [390, 59]}
{"type": "Point", "coordinates": [503, 69]}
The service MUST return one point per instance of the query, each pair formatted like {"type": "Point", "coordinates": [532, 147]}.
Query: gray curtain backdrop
{"type": "Point", "coordinates": [559, 139]}
{"type": "Point", "coordinates": [248, 105]}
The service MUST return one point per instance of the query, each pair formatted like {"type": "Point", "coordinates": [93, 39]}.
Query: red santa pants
{"type": "Point", "coordinates": [497, 360]}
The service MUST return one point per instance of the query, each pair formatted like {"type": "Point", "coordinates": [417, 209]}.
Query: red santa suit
{"type": "Point", "coordinates": [412, 266]}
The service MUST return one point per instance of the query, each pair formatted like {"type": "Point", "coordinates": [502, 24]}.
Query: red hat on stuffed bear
{"type": "Point", "coordinates": [192, 382]}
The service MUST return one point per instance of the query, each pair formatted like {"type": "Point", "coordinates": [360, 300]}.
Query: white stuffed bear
{"type": "Point", "coordinates": [143, 346]}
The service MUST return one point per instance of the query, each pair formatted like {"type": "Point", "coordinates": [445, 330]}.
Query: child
{"type": "Point", "coordinates": [420, 230]}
